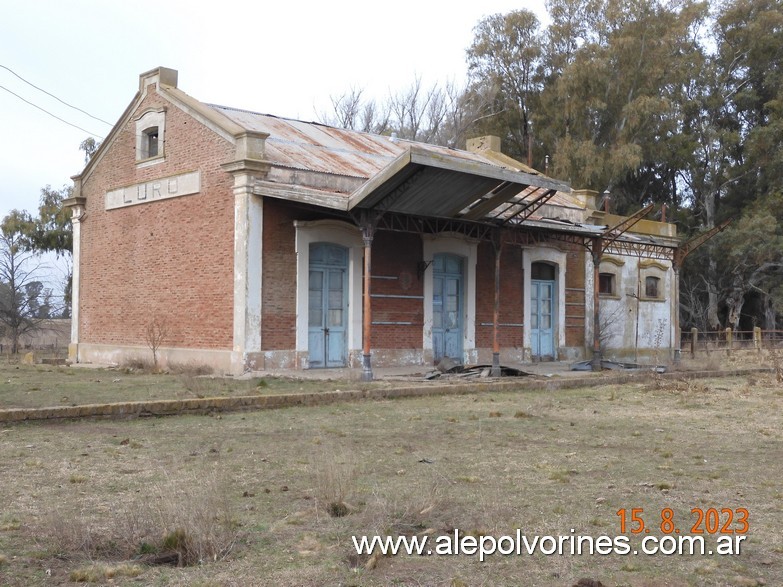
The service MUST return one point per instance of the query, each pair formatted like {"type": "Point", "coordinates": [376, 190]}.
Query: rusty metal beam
{"type": "Point", "coordinates": [612, 234]}
{"type": "Point", "coordinates": [395, 222]}
{"type": "Point", "coordinates": [496, 197]}
{"type": "Point", "coordinates": [517, 235]}
{"type": "Point", "coordinates": [637, 249]}
{"type": "Point", "coordinates": [368, 227]}
{"type": "Point", "coordinates": [694, 243]}
{"type": "Point", "coordinates": [527, 211]}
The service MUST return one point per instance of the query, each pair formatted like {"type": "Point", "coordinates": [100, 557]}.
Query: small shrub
{"type": "Point", "coordinates": [156, 332]}
{"type": "Point", "coordinates": [100, 573]}
{"type": "Point", "coordinates": [335, 479]}
{"type": "Point", "coordinates": [190, 369]}
{"type": "Point", "coordinates": [175, 540]}
{"type": "Point", "coordinates": [137, 365]}
{"type": "Point", "coordinates": [560, 476]}
{"type": "Point", "coordinates": [337, 509]}
{"type": "Point", "coordinates": [7, 524]}
{"type": "Point", "coordinates": [191, 520]}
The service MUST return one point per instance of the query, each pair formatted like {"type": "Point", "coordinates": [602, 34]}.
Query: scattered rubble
{"type": "Point", "coordinates": [617, 366]}
{"type": "Point", "coordinates": [448, 366]}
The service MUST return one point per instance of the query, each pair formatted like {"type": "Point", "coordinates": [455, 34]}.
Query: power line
{"type": "Point", "coordinates": [52, 115]}
{"type": "Point", "coordinates": [53, 96]}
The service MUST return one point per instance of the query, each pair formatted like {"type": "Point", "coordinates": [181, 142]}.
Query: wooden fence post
{"type": "Point", "coordinates": [694, 339]}
{"type": "Point", "coordinates": [757, 338]}
{"type": "Point", "coordinates": [729, 339]}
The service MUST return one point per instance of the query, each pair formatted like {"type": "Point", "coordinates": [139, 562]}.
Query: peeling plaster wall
{"type": "Point", "coordinates": [634, 324]}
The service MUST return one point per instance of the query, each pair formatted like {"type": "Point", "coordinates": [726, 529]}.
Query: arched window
{"type": "Point", "coordinates": [150, 137]}
{"type": "Point", "coordinates": [652, 287]}
{"type": "Point", "coordinates": [150, 143]}
{"type": "Point", "coordinates": [541, 270]}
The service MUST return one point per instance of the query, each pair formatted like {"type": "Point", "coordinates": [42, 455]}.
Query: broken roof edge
{"type": "Point", "coordinates": [376, 181]}
{"type": "Point", "coordinates": [415, 154]}
{"type": "Point", "coordinates": [449, 162]}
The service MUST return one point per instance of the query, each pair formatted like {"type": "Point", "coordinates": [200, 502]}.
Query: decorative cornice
{"type": "Point", "coordinates": [613, 261]}
{"type": "Point", "coordinates": [73, 202]}
{"type": "Point", "coordinates": [648, 263]}
{"type": "Point", "coordinates": [248, 166]}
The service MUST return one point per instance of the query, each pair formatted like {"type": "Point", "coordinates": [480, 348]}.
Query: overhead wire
{"type": "Point", "coordinates": [50, 114]}
{"type": "Point", "coordinates": [53, 96]}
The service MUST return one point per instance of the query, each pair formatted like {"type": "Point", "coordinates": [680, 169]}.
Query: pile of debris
{"type": "Point", "coordinates": [616, 366]}
{"type": "Point", "coordinates": [450, 367]}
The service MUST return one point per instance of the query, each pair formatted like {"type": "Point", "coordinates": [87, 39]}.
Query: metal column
{"type": "Point", "coordinates": [597, 251]}
{"type": "Point", "coordinates": [497, 244]}
{"type": "Point", "coordinates": [368, 231]}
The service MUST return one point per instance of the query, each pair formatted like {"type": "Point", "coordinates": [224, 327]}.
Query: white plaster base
{"type": "Point", "coordinates": [219, 360]}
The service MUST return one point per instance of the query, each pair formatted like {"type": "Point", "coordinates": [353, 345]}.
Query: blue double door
{"type": "Point", "coordinates": [542, 311]}
{"type": "Point", "coordinates": [327, 306]}
{"type": "Point", "coordinates": [447, 307]}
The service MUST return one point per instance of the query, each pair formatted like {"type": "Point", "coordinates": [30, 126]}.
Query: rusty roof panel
{"type": "Point", "coordinates": [318, 147]}
{"type": "Point", "coordinates": [437, 181]}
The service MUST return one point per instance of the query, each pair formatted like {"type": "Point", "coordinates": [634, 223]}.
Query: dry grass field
{"type": "Point", "coordinates": [274, 497]}
{"type": "Point", "coordinates": [26, 386]}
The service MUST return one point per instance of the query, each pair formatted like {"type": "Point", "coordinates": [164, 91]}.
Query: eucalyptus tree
{"type": "Point", "coordinates": [504, 60]}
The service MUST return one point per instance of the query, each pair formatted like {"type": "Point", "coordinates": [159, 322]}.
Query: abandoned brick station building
{"type": "Point", "coordinates": [264, 243]}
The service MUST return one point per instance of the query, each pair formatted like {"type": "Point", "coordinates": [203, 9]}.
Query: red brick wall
{"type": "Point", "coordinates": [278, 285]}
{"type": "Point", "coordinates": [397, 255]}
{"type": "Point", "coordinates": [172, 258]}
{"type": "Point", "coordinates": [394, 255]}
{"type": "Point", "coordinates": [511, 296]}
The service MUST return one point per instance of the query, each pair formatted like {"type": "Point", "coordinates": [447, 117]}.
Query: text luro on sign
{"type": "Point", "coordinates": [158, 189]}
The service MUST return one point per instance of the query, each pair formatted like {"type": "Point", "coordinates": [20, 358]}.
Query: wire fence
{"type": "Point", "coordinates": [699, 341]}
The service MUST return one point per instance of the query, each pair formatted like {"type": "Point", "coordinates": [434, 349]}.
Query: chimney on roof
{"type": "Point", "coordinates": [486, 143]}
{"type": "Point", "coordinates": [159, 75]}
{"type": "Point", "coordinates": [589, 198]}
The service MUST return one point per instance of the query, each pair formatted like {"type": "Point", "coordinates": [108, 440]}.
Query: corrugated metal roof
{"type": "Point", "coordinates": [401, 176]}
{"type": "Point", "coordinates": [317, 147]}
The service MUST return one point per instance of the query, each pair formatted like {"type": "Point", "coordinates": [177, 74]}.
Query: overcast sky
{"type": "Point", "coordinates": [284, 58]}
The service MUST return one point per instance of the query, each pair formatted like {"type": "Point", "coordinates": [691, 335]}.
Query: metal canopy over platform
{"type": "Point", "coordinates": [423, 191]}
{"type": "Point", "coordinates": [426, 184]}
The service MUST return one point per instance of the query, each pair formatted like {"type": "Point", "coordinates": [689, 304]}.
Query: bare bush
{"type": "Point", "coordinates": [410, 512]}
{"type": "Point", "coordinates": [190, 369]}
{"type": "Point", "coordinates": [136, 364]}
{"type": "Point", "coordinates": [182, 522]}
{"type": "Point", "coordinates": [197, 521]}
{"type": "Point", "coordinates": [335, 481]}
{"type": "Point", "coordinates": [155, 334]}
